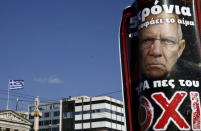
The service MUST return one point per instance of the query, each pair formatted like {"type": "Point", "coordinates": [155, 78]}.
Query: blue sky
{"type": "Point", "coordinates": [60, 48]}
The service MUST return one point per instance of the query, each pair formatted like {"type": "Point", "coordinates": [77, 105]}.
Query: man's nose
{"type": "Point", "coordinates": [156, 49]}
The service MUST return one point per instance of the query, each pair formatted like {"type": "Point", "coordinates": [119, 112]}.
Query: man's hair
{"type": "Point", "coordinates": [176, 17]}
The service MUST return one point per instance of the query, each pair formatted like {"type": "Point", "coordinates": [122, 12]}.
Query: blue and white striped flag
{"type": "Point", "coordinates": [16, 84]}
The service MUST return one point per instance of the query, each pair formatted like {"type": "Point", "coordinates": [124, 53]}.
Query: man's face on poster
{"type": "Point", "coordinates": [160, 47]}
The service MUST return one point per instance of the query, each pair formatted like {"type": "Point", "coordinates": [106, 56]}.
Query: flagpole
{"type": "Point", "coordinates": [8, 97]}
{"type": "Point", "coordinates": [12, 85]}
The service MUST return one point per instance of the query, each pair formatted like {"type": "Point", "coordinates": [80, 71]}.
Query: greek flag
{"type": "Point", "coordinates": [16, 84]}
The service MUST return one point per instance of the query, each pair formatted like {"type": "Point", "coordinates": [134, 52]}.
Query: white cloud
{"type": "Point", "coordinates": [54, 80]}
{"type": "Point", "coordinates": [49, 80]}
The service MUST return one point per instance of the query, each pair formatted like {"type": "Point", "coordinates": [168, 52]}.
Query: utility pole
{"type": "Point", "coordinates": [18, 100]}
{"type": "Point", "coordinates": [36, 113]}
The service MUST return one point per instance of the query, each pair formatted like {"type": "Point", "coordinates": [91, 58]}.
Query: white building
{"type": "Point", "coordinates": [82, 113]}
{"type": "Point", "coordinates": [13, 121]}
{"type": "Point", "coordinates": [104, 113]}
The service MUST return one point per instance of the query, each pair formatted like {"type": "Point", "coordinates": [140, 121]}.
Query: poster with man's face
{"type": "Point", "coordinates": [161, 65]}
{"type": "Point", "coordinates": [161, 45]}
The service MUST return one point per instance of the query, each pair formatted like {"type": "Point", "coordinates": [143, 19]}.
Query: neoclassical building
{"type": "Point", "coordinates": [12, 121]}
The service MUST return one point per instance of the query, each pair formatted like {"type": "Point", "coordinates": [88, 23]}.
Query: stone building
{"type": "Point", "coordinates": [12, 121]}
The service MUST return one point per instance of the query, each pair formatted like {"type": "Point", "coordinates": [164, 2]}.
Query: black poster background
{"type": "Point", "coordinates": [131, 72]}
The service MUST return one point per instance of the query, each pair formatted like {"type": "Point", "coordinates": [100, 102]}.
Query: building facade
{"type": "Point", "coordinates": [13, 121]}
{"type": "Point", "coordinates": [82, 113]}
{"type": "Point", "coordinates": [50, 116]}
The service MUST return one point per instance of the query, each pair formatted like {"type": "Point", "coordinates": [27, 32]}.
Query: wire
{"type": "Point", "coordinates": [109, 93]}
{"type": "Point", "coordinates": [23, 95]}
{"type": "Point", "coordinates": [29, 99]}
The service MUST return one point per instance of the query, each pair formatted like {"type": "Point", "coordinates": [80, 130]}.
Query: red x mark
{"type": "Point", "coordinates": [170, 111]}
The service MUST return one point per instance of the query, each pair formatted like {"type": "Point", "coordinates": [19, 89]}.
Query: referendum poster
{"type": "Point", "coordinates": [161, 65]}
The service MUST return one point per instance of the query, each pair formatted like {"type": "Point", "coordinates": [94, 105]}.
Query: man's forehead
{"type": "Point", "coordinates": [164, 28]}
{"type": "Point", "coordinates": [160, 16]}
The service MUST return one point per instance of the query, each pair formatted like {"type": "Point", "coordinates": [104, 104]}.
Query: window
{"type": "Point", "coordinates": [97, 111]}
{"type": "Point", "coordinates": [48, 107]}
{"type": "Point", "coordinates": [68, 115]}
{"type": "Point", "coordinates": [55, 129]}
{"type": "Point", "coordinates": [31, 117]}
{"type": "Point", "coordinates": [40, 123]}
{"type": "Point", "coordinates": [42, 108]}
{"type": "Point", "coordinates": [56, 113]}
{"type": "Point", "coordinates": [47, 122]}
{"type": "Point", "coordinates": [119, 114]}
{"type": "Point", "coordinates": [46, 114]}
{"type": "Point", "coordinates": [56, 106]}
{"type": "Point", "coordinates": [78, 113]}
{"type": "Point", "coordinates": [31, 108]}
{"type": "Point", "coordinates": [54, 122]}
